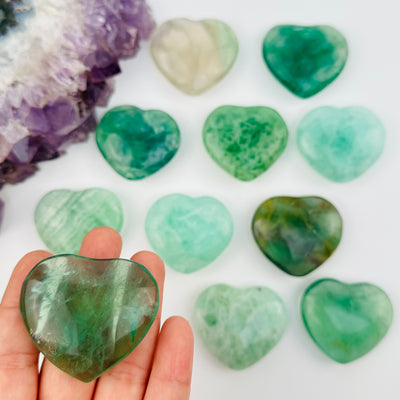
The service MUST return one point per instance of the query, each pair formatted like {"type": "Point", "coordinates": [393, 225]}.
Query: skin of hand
{"type": "Point", "coordinates": [159, 368]}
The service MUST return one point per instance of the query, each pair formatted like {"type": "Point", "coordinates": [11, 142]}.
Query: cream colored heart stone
{"type": "Point", "coordinates": [194, 55]}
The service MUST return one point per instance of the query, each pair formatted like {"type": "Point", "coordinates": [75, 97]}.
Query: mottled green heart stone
{"type": "Point", "coordinates": [346, 321]}
{"type": "Point", "coordinates": [245, 141]}
{"type": "Point", "coordinates": [137, 143]}
{"type": "Point", "coordinates": [63, 217]}
{"type": "Point", "coordinates": [297, 233]}
{"type": "Point", "coordinates": [341, 143]}
{"type": "Point", "coordinates": [188, 233]}
{"type": "Point", "coordinates": [305, 59]}
{"type": "Point", "coordinates": [87, 315]}
{"type": "Point", "coordinates": [240, 326]}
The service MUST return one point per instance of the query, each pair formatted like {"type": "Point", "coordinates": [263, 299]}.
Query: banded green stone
{"type": "Point", "coordinates": [305, 59]}
{"type": "Point", "coordinates": [297, 234]}
{"type": "Point", "coordinates": [137, 143]}
{"type": "Point", "coordinates": [240, 326]}
{"type": "Point", "coordinates": [346, 321]}
{"type": "Point", "coordinates": [87, 315]}
{"type": "Point", "coordinates": [245, 141]}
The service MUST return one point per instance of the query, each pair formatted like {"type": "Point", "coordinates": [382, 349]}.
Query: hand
{"type": "Point", "coordinates": [159, 368]}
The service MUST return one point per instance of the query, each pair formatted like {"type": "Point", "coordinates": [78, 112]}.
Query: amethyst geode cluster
{"type": "Point", "coordinates": [56, 58]}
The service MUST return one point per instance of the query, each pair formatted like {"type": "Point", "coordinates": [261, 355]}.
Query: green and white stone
{"type": "Point", "coordinates": [63, 217]}
{"type": "Point", "coordinates": [194, 55]}
{"type": "Point", "coordinates": [87, 315]}
{"type": "Point", "coordinates": [346, 321]}
{"type": "Point", "coordinates": [240, 326]}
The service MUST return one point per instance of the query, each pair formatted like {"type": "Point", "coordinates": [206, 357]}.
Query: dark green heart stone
{"type": "Point", "coordinates": [297, 233]}
{"type": "Point", "coordinates": [305, 59]}
{"type": "Point", "coordinates": [346, 321]}
{"type": "Point", "coordinates": [245, 141]}
{"type": "Point", "coordinates": [137, 143]}
{"type": "Point", "coordinates": [86, 315]}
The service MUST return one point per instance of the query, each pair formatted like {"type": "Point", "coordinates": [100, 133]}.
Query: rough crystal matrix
{"type": "Point", "coordinates": [305, 59]}
{"type": "Point", "coordinates": [346, 321]}
{"type": "Point", "coordinates": [63, 217]}
{"type": "Point", "coordinates": [341, 143]}
{"type": "Point", "coordinates": [87, 315]}
{"type": "Point", "coordinates": [240, 326]}
{"type": "Point", "coordinates": [297, 233]}
{"type": "Point", "coordinates": [245, 141]}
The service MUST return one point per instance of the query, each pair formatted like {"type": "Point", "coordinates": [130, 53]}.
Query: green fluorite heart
{"type": "Point", "coordinates": [137, 143]}
{"type": "Point", "coordinates": [346, 321]}
{"type": "Point", "coordinates": [188, 233]}
{"type": "Point", "coordinates": [297, 233]}
{"type": "Point", "coordinates": [63, 217]}
{"type": "Point", "coordinates": [305, 59]}
{"type": "Point", "coordinates": [245, 141]}
{"type": "Point", "coordinates": [341, 143]}
{"type": "Point", "coordinates": [194, 55]}
{"type": "Point", "coordinates": [240, 326]}
{"type": "Point", "coordinates": [86, 315]}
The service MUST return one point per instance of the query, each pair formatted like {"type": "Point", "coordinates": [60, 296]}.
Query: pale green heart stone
{"type": "Point", "coordinates": [240, 326]}
{"type": "Point", "coordinates": [194, 55]}
{"type": "Point", "coordinates": [188, 233]}
{"type": "Point", "coordinates": [346, 321]}
{"type": "Point", "coordinates": [341, 143]}
{"type": "Point", "coordinates": [63, 217]}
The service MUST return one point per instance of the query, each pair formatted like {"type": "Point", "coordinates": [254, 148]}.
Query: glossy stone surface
{"type": "Point", "coordinates": [240, 326]}
{"type": "Point", "coordinates": [245, 141]}
{"type": "Point", "coordinates": [63, 217]}
{"type": "Point", "coordinates": [297, 234]}
{"type": "Point", "coordinates": [188, 233]}
{"type": "Point", "coordinates": [194, 55]}
{"type": "Point", "coordinates": [137, 143]}
{"type": "Point", "coordinates": [305, 59]}
{"type": "Point", "coordinates": [346, 321]}
{"type": "Point", "coordinates": [341, 143]}
{"type": "Point", "coordinates": [87, 315]}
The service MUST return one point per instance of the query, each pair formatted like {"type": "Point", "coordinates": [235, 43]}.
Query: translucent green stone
{"type": "Point", "coordinates": [297, 234]}
{"type": "Point", "coordinates": [86, 315]}
{"type": "Point", "coordinates": [137, 143]}
{"type": "Point", "coordinates": [188, 233]}
{"type": "Point", "coordinates": [245, 141]}
{"type": "Point", "coordinates": [341, 143]}
{"type": "Point", "coordinates": [305, 59]}
{"type": "Point", "coordinates": [346, 321]}
{"type": "Point", "coordinates": [240, 326]}
{"type": "Point", "coordinates": [63, 217]}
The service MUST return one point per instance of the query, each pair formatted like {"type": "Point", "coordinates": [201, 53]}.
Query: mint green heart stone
{"type": "Point", "coordinates": [137, 143]}
{"type": "Point", "coordinates": [346, 321]}
{"type": "Point", "coordinates": [63, 217]}
{"type": "Point", "coordinates": [240, 326]}
{"type": "Point", "coordinates": [245, 141]}
{"type": "Point", "coordinates": [341, 143]}
{"type": "Point", "coordinates": [305, 59]}
{"type": "Point", "coordinates": [188, 233]}
{"type": "Point", "coordinates": [297, 234]}
{"type": "Point", "coordinates": [87, 315]}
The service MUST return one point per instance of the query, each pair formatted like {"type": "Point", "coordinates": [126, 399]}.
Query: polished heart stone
{"type": "Point", "coordinates": [188, 233]}
{"type": "Point", "coordinates": [137, 143]}
{"type": "Point", "coordinates": [305, 59]}
{"type": "Point", "coordinates": [297, 234]}
{"type": "Point", "coordinates": [240, 326]}
{"type": "Point", "coordinates": [346, 321]}
{"type": "Point", "coordinates": [341, 143]}
{"type": "Point", "coordinates": [194, 55]}
{"type": "Point", "coordinates": [245, 141]}
{"type": "Point", "coordinates": [87, 315]}
{"type": "Point", "coordinates": [63, 217]}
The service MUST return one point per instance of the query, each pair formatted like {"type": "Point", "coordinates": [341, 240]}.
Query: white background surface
{"type": "Point", "coordinates": [295, 368]}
